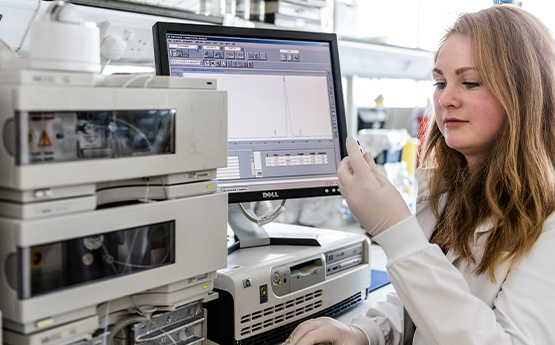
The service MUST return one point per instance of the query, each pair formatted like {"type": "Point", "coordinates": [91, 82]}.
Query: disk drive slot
{"type": "Point", "coordinates": [342, 265]}
{"type": "Point", "coordinates": [307, 274]}
{"type": "Point", "coordinates": [344, 258]}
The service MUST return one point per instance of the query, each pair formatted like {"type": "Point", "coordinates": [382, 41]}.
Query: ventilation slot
{"type": "Point", "coordinates": [279, 307]}
{"type": "Point", "coordinates": [281, 312]}
{"type": "Point", "coordinates": [257, 315]}
{"type": "Point", "coordinates": [286, 305]}
{"type": "Point", "coordinates": [257, 327]}
{"type": "Point", "coordinates": [283, 330]}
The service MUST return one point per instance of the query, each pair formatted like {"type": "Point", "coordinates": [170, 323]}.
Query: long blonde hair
{"type": "Point", "coordinates": [514, 54]}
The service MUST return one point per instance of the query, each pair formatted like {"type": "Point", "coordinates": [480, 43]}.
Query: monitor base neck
{"type": "Point", "coordinates": [249, 234]}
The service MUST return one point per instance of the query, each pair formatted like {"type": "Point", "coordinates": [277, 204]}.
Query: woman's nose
{"type": "Point", "coordinates": [449, 97]}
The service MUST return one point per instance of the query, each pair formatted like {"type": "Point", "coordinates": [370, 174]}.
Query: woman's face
{"type": "Point", "coordinates": [468, 115]}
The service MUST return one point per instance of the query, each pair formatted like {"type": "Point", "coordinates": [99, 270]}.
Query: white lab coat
{"type": "Point", "coordinates": [448, 303]}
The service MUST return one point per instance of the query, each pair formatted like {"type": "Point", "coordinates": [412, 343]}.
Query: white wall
{"type": "Point", "coordinates": [421, 23]}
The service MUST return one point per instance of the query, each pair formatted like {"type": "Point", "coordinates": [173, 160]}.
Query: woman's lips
{"type": "Point", "coordinates": [454, 123]}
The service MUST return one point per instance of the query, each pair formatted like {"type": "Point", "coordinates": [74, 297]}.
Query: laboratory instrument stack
{"type": "Point", "coordinates": [111, 226]}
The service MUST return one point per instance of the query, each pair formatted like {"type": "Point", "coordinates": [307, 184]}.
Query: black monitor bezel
{"type": "Point", "coordinates": [161, 29]}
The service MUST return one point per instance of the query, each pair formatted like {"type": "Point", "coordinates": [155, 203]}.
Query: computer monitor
{"type": "Point", "coordinates": [286, 117]}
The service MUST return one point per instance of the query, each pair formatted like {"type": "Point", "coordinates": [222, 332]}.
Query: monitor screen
{"type": "Point", "coordinates": [286, 118]}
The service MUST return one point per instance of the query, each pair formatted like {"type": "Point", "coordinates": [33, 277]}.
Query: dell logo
{"type": "Point", "coordinates": [268, 195]}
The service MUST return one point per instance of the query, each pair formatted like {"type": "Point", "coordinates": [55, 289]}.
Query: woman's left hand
{"type": "Point", "coordinates": [372, 199]}
{"type": "Point", "coordinates": [325, 330]}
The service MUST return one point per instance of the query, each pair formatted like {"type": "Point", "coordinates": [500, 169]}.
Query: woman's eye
{"type": "Point", "coordinates": [440, 85]}
{"type": "Point", "coordinates": [471, 85]}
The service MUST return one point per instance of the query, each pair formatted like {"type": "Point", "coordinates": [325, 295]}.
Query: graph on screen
{"type": "Point", "coordinates": [275, 106]}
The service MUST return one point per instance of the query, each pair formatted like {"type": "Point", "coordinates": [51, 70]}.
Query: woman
{"type": "Point", "coordinates": [476, 264]}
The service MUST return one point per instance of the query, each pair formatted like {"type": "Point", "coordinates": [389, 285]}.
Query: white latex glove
{"type": "Point", "coordinates": [325, 330]}
{"type": "Point", "coordinates": [372, 199]}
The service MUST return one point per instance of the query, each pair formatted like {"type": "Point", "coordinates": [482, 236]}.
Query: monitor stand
{"type": "Point", "coordinates": [250, 234]}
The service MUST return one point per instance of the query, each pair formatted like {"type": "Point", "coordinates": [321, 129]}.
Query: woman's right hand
{"type": "Point", "coordinates": [325, 330]}
{"type": "Point", "coordinates": [372, 199]}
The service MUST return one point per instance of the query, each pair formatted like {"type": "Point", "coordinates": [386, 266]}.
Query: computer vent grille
{"type": "Point", "coordinates": [282, 312]}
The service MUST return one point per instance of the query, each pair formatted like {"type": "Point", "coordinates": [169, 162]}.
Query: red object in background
{"type": "Point", "coordinates": [423, 121]}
